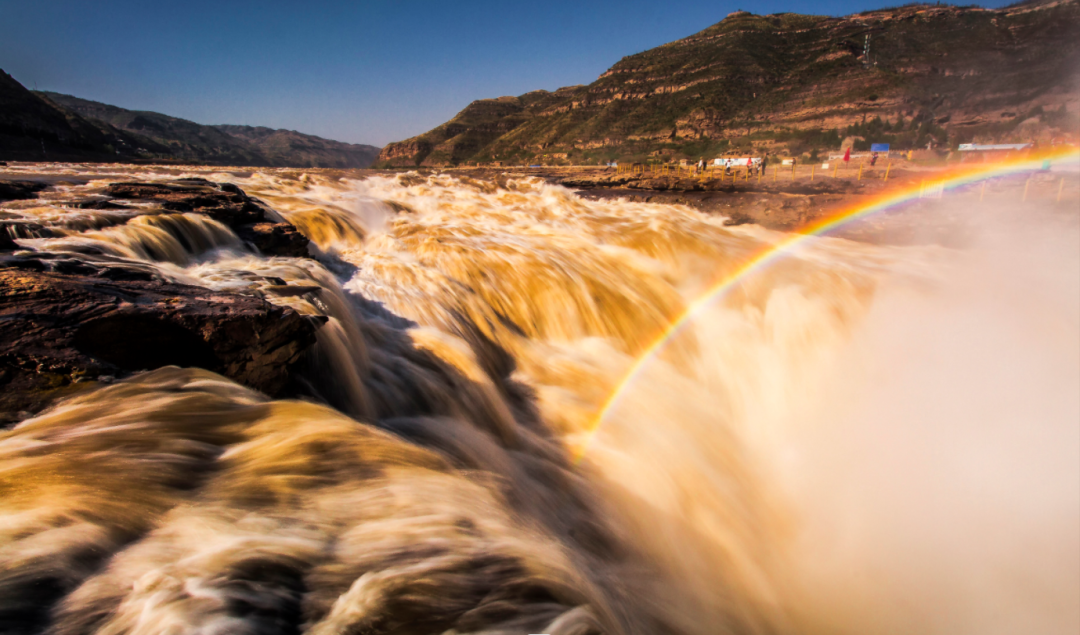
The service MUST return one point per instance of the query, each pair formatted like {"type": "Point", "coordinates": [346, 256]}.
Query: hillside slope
{"type": "Point", "coordinates": [222, 144]}
{"type": "Point", "coordinates": [794, 83]}
{"type": "Point", "coordinates": [288, 147]}
{"type": "Point", "coordinates": [34, 129]}
{"type": "Point", "coordinates": [46, 126]}
{"type": "Point", "coordinates": [182, 139]}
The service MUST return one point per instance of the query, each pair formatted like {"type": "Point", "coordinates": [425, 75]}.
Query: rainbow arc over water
{"type": "Point", "coordinates": [890, 199]}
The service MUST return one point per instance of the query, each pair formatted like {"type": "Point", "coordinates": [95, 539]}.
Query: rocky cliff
{"type": "Point", "coordinates": [794, 83]}
{"type": "Point", "coordinates": [478, 126]}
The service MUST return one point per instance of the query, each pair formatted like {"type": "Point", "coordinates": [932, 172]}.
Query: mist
{"type": "Point", "coordinates": [938, 481]}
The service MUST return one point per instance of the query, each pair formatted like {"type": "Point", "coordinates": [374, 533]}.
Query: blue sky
{"type": "Point", "coordinates": [363, 72]}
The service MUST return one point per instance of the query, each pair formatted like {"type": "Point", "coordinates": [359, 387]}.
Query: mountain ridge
{"type": "Point", "coordinates": [43, 125]}
{"type": "Point", "coordinates": [792, 84]}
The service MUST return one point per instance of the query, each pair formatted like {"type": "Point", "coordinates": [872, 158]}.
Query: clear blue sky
{"type": "Point", "coordinates": [363, 72]}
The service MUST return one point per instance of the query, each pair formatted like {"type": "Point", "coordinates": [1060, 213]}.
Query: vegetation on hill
{"type": "Point", "coordinates": [793, 84]}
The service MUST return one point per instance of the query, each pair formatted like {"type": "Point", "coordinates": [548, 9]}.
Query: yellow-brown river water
{"type": "Point", "coordinates": [856, 439]}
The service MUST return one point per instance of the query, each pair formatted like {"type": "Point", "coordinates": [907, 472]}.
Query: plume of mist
{"type": "Point", "coordinates": [937, 480]}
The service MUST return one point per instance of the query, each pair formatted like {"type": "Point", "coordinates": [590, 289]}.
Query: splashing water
{"type": "Point", "coordinates": [852, 429]}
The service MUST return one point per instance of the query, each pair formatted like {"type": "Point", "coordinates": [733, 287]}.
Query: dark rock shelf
{"type": "Point", "coordinates": [64, 331]}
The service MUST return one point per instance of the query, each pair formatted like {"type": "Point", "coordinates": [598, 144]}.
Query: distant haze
{"type": "Point", "coordinates": [370, 72]}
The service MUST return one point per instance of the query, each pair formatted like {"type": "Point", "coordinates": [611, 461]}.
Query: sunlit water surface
{"type": "Point", "coordinates": [857, 439]}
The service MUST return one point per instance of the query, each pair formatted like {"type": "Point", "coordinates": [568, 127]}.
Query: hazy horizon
{"type": "Point", "coordinates": [371, 73]}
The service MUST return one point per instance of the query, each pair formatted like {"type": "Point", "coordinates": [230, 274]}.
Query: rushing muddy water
{"type": "Point", "coordinates": [855, 439]}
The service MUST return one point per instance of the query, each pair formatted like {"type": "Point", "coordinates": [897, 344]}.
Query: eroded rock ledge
{"type": "Point", "coordinates": [16, 190]}
{"type": "Point", "coordinates": [62, 332]}
{"type": "Point", "coordinates": [226, 203]}
{"type": "Point", "coordinates": [73, 320]}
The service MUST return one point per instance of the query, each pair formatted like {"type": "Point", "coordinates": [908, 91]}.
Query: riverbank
{"type": "Point", "coordinates": [789, 198]}
{"type": "Point", "coordinates": [784, 199]}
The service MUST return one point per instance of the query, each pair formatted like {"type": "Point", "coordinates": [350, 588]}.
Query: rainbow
{"type": "Point", "coordinates": [888, 200]}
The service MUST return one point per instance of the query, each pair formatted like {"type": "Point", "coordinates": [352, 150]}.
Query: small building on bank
{"type": "Point", "coordinates": [991, 151]}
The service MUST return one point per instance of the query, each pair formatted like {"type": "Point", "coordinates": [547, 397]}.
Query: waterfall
{"type": "Point", "coordinates": [800, 458]}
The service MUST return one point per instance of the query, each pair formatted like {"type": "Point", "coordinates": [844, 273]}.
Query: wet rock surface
{"type": "Point", "coordinates": [223, 202]}
{"type": "Point", "coordinates": [18, 190]}
{"type": "Point", "coordinates": [74, 328]}
{"type": "Point", "coordinates": [275, 239]}
{"type": "Point", "coordinates": [97, 203]}
{"type": "Point", "coordinates": [97, 266]}
{"type": "Point", "coordinates": [226, 203]}
{"type": "Point", "coordinates": [14, 229]}
{"type": "Point", "coordinates": [75, 315]}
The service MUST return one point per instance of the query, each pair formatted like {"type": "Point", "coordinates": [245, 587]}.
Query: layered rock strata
{"type": "Point", "coordinates": [75, 316]}
{"type": "Point", "coordinates": [920, 74]}
{"type": "Point", "coordinates": [62, 331]}
{"type": "Point", "coordinates": [251, 220]}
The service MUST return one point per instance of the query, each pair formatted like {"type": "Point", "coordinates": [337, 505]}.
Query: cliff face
{"type": "Point", "coordinates": [791, 82]}
{"type": "Point", "coordinates": [44, 126]}
{"type": "Point", "coordinates": [478, 126]}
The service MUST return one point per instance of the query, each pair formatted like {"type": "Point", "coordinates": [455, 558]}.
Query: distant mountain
{"type": "Point", "coordinates": [39, 125]}
{"type": "Point", "coordinates": [288, 147]}
{"type": "Point", "coordinates": [223, 144]}
{"type": "Point", "coordinates": [33, 129]}
{"type": "Point", "coordinates": [790, 83]}
{"type": "Point", "coordinates": [179, 139]}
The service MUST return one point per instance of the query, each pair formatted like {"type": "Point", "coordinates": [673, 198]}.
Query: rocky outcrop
{"type": "Point", "coordinates": [63, 332]}
{"type": "Point", "coordinates": [226, 203]}
{"type": "Point", "coordinates": [404, 154]}
{"type": "Point", "coordinates": [480, 123]}
{"type": "Point", "coordinates": [275, 239]}
{"type": "Point", "coordinates": [79, 316]}
{"type": "Point", "coordinates": [16, 190]}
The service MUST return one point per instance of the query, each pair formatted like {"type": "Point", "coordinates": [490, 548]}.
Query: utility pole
{"type": "Point", "coordinates": [866, 51]}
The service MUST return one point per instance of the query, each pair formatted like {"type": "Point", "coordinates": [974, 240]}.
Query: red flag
{"type": "Point", "coordinates": [847, 154]}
